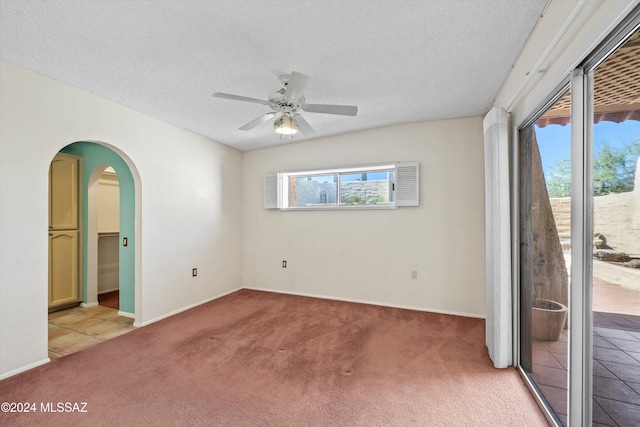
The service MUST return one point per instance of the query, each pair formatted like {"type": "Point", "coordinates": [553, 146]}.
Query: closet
{"type": "Point", "coordinates": [64, 232]}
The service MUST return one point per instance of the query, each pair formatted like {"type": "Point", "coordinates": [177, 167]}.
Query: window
{"type": "Point", "coordinates": [366, 187]}
{"type": "Point", "coordinates": [340, 188]}
{"type": "Point", "coordinates": [312, 190]}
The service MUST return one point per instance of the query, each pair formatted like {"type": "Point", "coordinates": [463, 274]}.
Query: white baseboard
{"type": "Point", "coordinates": [88, 304]}
{"type": "Point", "coordinates": [358, 301]}
{"type": "Point", "coordinates": [104, 291]}
{"type": "Point", "coordinates": [24, 368]}
{"type": "Point", "coordinates": [164, 316]}
{"type": "Point", "coordinates": [126, 314]}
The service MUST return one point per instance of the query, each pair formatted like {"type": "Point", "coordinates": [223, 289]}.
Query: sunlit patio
{"type": "Point", "coordinates": [616, 359]}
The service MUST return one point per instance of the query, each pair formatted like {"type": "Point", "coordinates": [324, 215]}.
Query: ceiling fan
{"type": "Point", "coordinates": [287, 103]}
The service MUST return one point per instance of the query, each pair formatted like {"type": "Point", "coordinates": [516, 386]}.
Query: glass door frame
{"type": "Point", "coordinates": [580, 372]}
{"type": "Point", "coordinates": [561, 90]}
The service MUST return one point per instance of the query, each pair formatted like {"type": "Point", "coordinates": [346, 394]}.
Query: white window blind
{"type": "Point", "coordinates": [407, 184]}
{"type": "Point", "coordinates": [497, 238]}
{"type": "Point", "coordinates": [271, 191]}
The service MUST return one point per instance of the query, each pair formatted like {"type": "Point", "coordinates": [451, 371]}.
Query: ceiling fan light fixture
{"type": "Point", "coordinates": [285, 125]}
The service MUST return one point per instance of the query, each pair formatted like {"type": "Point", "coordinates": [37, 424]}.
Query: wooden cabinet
{"type": "Point", "coordinates": [64, 231]}
{"type": "Point", "coordinates": [64, 286]}
{"type": "Point", "coordinates": [63, 192]}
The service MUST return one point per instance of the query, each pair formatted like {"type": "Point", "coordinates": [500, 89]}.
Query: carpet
{"type": "Point", "coordinates": [258, 358]}
{"type": "Point", "coordinates": [110, 299]}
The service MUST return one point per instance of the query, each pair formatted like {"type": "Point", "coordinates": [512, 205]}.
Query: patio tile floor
{"type": "Point", "coordinates": [616, 371]}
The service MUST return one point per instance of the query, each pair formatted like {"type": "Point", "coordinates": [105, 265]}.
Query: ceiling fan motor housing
{"type": "Point", "coordinates": [279, 101]}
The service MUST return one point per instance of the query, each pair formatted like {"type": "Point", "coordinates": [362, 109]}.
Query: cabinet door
{"type": "Point", "coordinates": [63, 192]}
{"type": "Point", "coordinates": [63, 268]}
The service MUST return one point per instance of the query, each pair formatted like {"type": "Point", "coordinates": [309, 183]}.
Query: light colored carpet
{"type": "Point", "coordinates": [263, 359]}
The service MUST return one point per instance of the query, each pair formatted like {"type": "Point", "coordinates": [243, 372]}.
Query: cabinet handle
{"type": "Point", "coordinates": [50, 234]}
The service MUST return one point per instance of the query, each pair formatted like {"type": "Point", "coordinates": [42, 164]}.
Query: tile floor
{"type": "Point", "coordinates": [79, 328]}
{"type": "Point", "coordinates": [610, 298]}
{"type": "Point", "coordinates": [616, 370]}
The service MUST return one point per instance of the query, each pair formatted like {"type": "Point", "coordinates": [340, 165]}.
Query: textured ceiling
{"type": "Point", "coordinates": [399, 61]}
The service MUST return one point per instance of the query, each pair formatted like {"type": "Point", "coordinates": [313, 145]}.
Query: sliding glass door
{"type": "Point", "coordinates": [545, 251]}
{"type": "Point", "coordinates": [616, 246]}
{"type": "Point", "coordinates": [578, 243]}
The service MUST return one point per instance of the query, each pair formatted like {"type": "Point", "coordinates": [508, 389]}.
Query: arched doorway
{"type": "Point", "coordinates": [95, 157]}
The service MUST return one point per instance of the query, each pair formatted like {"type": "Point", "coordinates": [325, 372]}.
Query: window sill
{"type": "Point", "coordinates": [341, 208]}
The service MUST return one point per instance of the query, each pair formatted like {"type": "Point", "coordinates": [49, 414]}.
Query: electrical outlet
{"type": "Point", "coordinates": [284, 264]}
{"type": "Point", "coordinates": [414, 274]}
{"type": "Point", "coordinates": [194, 272]}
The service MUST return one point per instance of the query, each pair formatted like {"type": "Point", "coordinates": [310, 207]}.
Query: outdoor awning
{"type": "Point", "coordinates": [617, 89]}
{"type": "Point", "coordinates": [563, 117]}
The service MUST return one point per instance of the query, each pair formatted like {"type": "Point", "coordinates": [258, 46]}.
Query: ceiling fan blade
{"type": "Point", "coordinates": [304, 125]}
{"type": "Point", "coordinates": [343, 110]}
{"type": "Point", "coordinates": [258, 121]}
{"type": "Point", "coordinates": [295, 86]}
{"type": "Point", "coordinates": [239, 98]}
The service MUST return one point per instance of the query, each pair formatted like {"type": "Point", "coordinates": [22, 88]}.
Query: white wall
{"type": "Point", "coordinates": [190, 217]}
{"type": "Point", "coordinates": [368, 255]}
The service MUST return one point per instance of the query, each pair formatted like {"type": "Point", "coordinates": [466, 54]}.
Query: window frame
{"type": "Point", "coordinates": [284, 177]}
